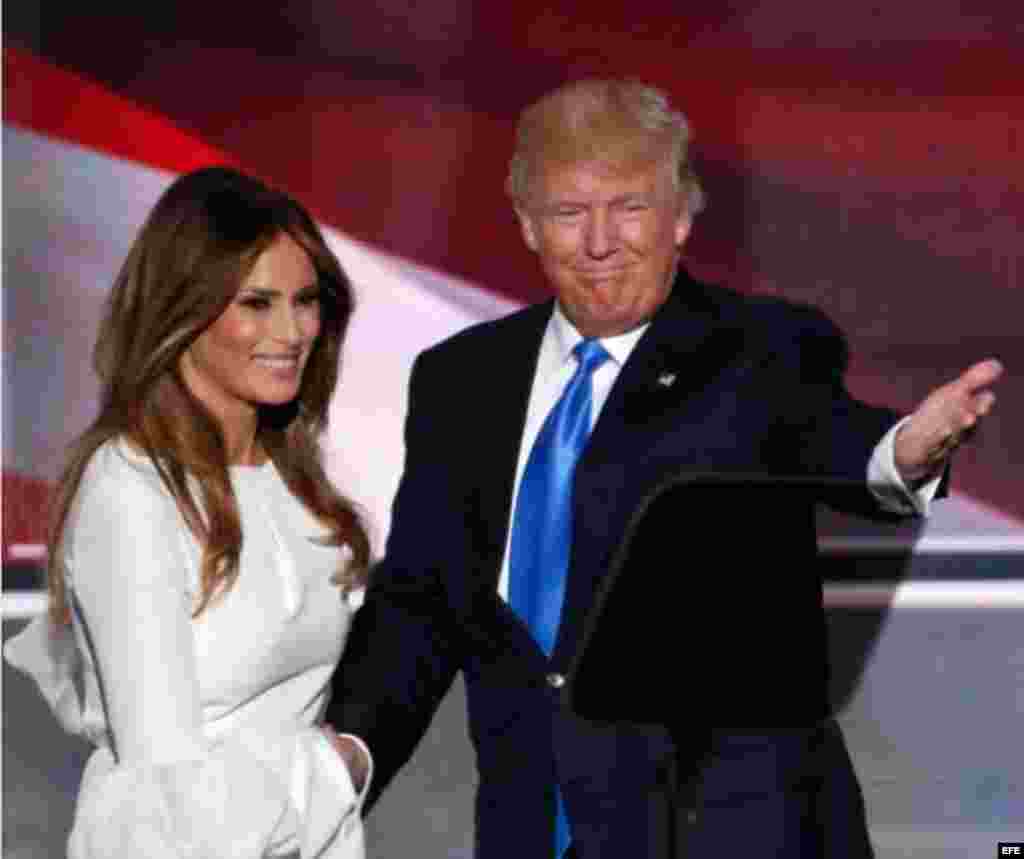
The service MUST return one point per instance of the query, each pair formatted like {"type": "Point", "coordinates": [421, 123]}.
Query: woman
{"type": "Point", "coordinates": [200, 555]}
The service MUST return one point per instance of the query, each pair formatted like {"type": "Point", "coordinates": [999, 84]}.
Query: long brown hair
{"type": "Point", "coordinates": [196, 247]}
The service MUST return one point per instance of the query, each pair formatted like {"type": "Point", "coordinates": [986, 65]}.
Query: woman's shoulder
{"type": "Point", "coordinates": [121, 473]}
{"type": "Point", "coordinates": [121, 508]}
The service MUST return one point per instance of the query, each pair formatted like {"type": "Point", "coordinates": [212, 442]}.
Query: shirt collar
{"type": "Point", "coordinates": [565, 337]}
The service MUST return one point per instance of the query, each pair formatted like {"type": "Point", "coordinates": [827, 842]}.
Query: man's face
{"type": "Point", "coordinates": [608, 239]}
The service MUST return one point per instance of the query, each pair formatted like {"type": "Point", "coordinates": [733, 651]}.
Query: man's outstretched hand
{"type": "Point", "coordinates": [944, 420]}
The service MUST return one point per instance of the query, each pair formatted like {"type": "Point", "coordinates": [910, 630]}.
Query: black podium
{"type": "Point", "coordinates": [710, 620]}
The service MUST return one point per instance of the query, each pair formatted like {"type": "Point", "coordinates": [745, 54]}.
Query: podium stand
{"type": "Point", "coordinates": [709, 621]}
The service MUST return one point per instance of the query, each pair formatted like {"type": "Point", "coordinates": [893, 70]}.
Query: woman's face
{"type": "Point", "coordinates": [255, 352]}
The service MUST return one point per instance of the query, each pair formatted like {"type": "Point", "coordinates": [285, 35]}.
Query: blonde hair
{"type": "Point", "coordinates": [622, 122]}
{"type": "Point", "coordinates": [196, 247]}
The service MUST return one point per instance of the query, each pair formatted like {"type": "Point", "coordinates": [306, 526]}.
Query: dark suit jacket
{"type": "Point", "coordinates": [718, 383]}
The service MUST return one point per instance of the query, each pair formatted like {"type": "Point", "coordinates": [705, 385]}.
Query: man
{"type": "Point", "coordinates": [507, 514]}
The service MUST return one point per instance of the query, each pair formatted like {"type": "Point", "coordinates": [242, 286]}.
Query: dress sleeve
{"type": "Point", "coordinates": [164, 789]}
{"type": "Point", "coordinates": [128, 577]}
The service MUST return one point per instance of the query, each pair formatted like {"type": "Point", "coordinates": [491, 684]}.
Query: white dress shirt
{"type": "Point", "coordinates": [556, 365]}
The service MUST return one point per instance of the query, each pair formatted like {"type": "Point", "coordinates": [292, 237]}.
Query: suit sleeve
{"type": "Point", "coordinates": [834, 434]}
{"type": "Point", "coordinates": [405, 647]}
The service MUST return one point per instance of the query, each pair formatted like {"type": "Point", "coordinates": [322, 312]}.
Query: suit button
{"type": "Point", "coordinates": [691, 816]}
{"type": "Point", "coordinates": [556, 681]}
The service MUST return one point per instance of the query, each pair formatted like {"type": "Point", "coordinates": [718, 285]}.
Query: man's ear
{"type": "Point", "coordinates": [527, 228]}
{"type": "Point", "coordinates": [683, 224]}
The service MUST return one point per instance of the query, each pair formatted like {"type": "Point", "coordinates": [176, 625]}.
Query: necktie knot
{"type": "Point", "coordinates": [590, 355]}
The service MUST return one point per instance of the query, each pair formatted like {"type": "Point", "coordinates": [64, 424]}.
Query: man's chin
{"type": "Point", "coordinates": [610, 325]}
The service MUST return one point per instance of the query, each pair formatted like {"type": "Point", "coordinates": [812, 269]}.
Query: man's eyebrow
{"type": "Point", "coordinates": [634, 195]}
{"type": "Point", "coordinates": [646, 196]}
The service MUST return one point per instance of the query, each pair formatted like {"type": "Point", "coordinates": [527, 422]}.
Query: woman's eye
{"type": "Point", "coordinates": [255, 303]}
{"type": "Point", "coordinates": [310, 299]}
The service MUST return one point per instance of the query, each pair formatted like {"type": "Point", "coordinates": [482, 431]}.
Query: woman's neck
{"type": "Point", "coordinates": [241, 442]}
{"type": "Point", "coordinates": [244, 448]}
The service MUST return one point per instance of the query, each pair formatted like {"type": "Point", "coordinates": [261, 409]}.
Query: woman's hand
{"type": "Point", "coordinates": [352, 754]}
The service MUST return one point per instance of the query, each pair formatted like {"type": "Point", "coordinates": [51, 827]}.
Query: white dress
{"type": "Point", "coordinates": [206, 728]}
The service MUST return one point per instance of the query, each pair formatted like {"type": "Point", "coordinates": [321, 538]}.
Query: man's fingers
{"type": "Point", "coordinates": [980, 375]}
{"type": "Point", "coordinates": [947, 418]}
{"type": "Point", "coordinates": [967, 424]}
{"type": "Point", "coordinates": [983, 403]}
{"type": "Point", "coordinates": [968, 397]}
{"type": "Point", "coordinates": [960, 436]}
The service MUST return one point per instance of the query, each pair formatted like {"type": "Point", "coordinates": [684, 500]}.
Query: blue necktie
{"type": "Point", "coordinates": [542, 525]}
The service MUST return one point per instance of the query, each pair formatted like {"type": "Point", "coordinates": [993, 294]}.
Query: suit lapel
{"type": "Point", "coordinates": [669, 364]}
{"type": "Point", "coordinates": [684, 347]}
{"type": "Point", "coordinates": [514, 361]}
